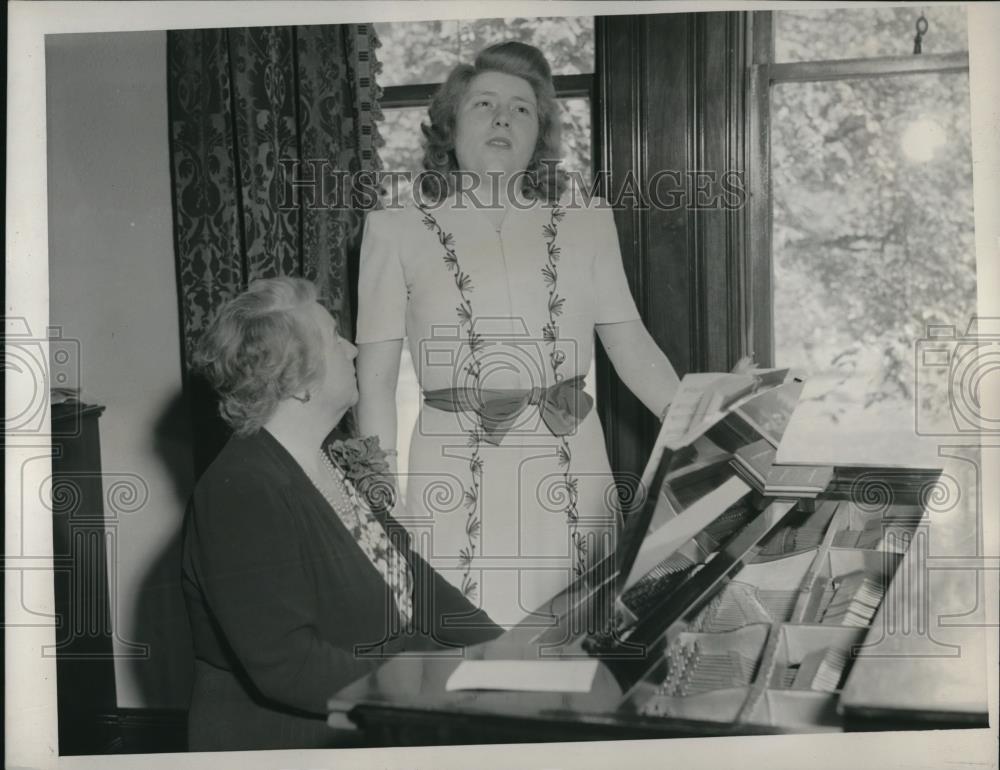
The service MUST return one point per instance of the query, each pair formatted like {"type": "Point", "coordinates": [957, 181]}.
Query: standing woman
{"type": "Point", "coordinates": [499, 281]}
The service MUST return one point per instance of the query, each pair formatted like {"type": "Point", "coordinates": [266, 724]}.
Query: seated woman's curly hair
{"type": "Point", "coordinates": [260, 349]}
{"type": "Point", "coordinates": [544, 180]}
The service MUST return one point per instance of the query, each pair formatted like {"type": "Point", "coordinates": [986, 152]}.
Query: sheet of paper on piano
{"type": "Point", "coordinates": [877, 435]}
{"type": "Point", "coordinates": [704, 398]}
{"type": "Point", "coordinates": [664, 540]}
{"type": "Point", "coordinates": [680, 417]}
{"type": "Point", "coordinates": [524, 675]}
{"type": "Point", "coordinates": [769, 411]}
{"type": "Point", "coordinates": [699, 401]}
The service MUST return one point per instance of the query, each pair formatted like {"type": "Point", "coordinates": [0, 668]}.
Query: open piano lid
{"type": "Point", "coordinates": [689, 487]}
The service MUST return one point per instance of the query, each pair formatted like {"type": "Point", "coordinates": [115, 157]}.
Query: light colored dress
{"type": "Point", "coordinates": [508, 307]}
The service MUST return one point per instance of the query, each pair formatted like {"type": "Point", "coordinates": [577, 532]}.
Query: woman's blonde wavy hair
{"type": "Point", "coordinates": [260, 349]}
{"type": "Point", "coordinates": [544, 180]}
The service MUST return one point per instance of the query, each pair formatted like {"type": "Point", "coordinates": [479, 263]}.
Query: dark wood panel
{"type": "Point", "coordinates": [85, 672]}
{"type": "Point", "coordinates": [401, 727]}
{"type": "Point", "coordinates": [673, 98]}
{"type": "Point", "coordinates": [694, 137]}
{"type": "Point", "coordinates": [720, 105]}
{"type": "Point", "coordinates": [620, 96]}
{"type": "Point", "coordinates": [760, 321]}
{"type": "Point", "coordinates": [146, 730]}
{"type": "Point", "coordinates": [670, 303]}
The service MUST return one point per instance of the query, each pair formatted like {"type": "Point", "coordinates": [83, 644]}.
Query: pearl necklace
{"type": "Point", "coordinates": [390, 563]}
{"type": "Point", "coordinates": [347, 499]}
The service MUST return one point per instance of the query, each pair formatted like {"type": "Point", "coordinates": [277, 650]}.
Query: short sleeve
{"type": "Point", "coordinates": [614, 298]}
{"type": "Point", "coordinates": [381, 283]}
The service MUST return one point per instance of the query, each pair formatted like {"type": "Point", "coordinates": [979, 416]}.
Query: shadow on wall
{"type": "Point", "coordinates": [160, 618]}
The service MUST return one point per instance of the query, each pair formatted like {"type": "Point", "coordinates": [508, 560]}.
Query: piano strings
{"type": "Point", "coordinates": [740, 604]}
{"type": "Point", "coordinates": [692, 671]}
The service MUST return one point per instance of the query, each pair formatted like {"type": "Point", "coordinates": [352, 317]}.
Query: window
{"type": "Point", "coordinates": [869, 231]}
{"type": "Point", "coordinates": [416, 57]}
{"type": "Point", "coordinates": [852, 33]}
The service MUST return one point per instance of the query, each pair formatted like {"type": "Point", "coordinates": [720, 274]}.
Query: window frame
{"type": "Point", "coordinates": [764, 74]}
{"type": "Point", "coordinates": [581, 85]}
{"type": "Point", "coordinates": [420, 94]}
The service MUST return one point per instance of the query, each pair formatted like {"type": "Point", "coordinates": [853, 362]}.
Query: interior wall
{"type": "Point", "coordinates": [113, 287]}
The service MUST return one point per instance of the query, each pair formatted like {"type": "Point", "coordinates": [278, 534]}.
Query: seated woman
{"type": "Point", "coordinates": [294, 588]}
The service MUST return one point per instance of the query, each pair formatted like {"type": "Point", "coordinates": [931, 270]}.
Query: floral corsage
{"type": "Point", "coordinates": [366, 466]}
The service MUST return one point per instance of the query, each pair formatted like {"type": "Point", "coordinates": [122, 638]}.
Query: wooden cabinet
{"type": "Point", "coordinates": [85, 657]}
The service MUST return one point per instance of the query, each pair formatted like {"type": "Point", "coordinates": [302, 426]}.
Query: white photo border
{"type": "Point", "coordinates": [30, 712]}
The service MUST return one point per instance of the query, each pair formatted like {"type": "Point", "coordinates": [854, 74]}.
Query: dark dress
{"type": "Point", "coordinates": [285, 608]}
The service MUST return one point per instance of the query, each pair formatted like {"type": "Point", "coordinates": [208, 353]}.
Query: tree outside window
{"type": "Point", "coordinates": [871, 202]}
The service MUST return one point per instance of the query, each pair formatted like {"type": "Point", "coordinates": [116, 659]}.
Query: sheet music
{"type": "Point", "coordinates": [524, 675]}
{"type": "Point", "coordinates": [864, 436]}
{"type": "Point", "coordinates": [688, 417]}
{"type": "Point", "coordinates": [704, 398]}
{"type": "Point", "coordinates": [689, 408]}
{"type": "Point", "coordinates": [768, 412]}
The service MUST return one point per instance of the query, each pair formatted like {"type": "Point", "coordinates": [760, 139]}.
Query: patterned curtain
{"type": "Point", "coordinates": [251, 110]}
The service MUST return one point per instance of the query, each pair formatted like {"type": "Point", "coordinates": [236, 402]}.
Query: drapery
{"type": "Point", "coordinates": [253, 113]}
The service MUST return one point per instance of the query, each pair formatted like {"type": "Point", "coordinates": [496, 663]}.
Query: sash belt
{"type": "Point", "coordinates": [562, 406]}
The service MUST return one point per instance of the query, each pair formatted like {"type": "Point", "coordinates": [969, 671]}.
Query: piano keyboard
{"type": "Point", "coordinates": [640, 599]}
{"type": "Point", "coordinates": [657, 584]}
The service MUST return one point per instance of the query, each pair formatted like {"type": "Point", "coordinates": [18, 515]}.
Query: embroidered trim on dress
{"type": "Point", "coordinates": [466, 321]}
{"type": "Point", "coordinates": [550, 334]}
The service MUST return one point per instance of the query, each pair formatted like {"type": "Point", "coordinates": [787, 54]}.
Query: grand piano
{"type": "Point", "coordinates": [745, 597]}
